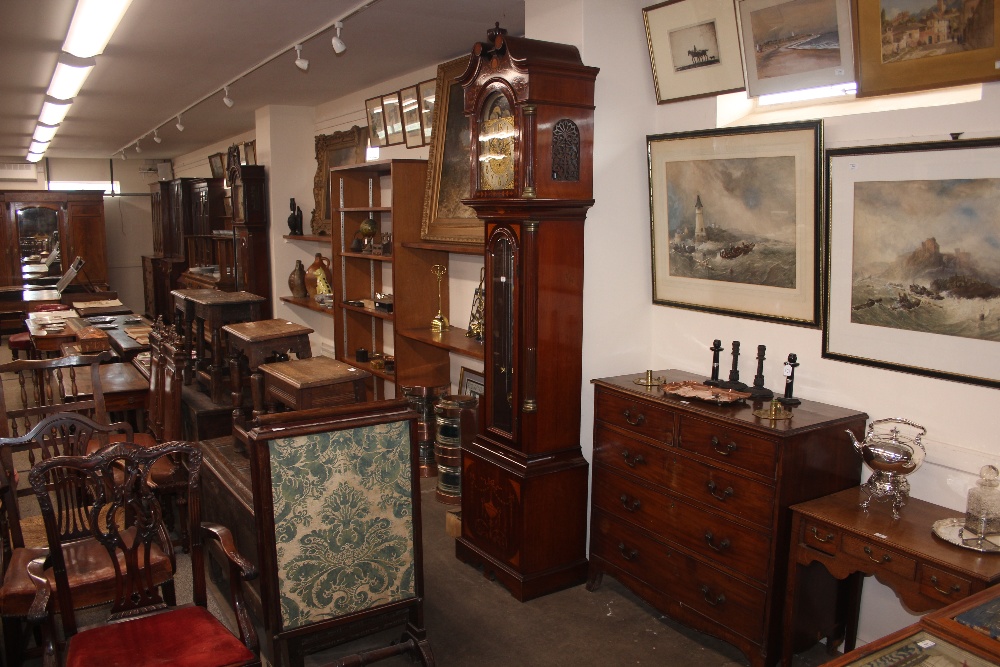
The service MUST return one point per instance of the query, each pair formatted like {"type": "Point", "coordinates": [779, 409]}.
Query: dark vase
{"type": "Point", "coordinates": [297, 281]}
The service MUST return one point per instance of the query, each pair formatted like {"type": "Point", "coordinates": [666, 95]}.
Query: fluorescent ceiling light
{"type": "Point", "coordinates": [53, 111]}
{"type": "Point", "coordinates": [44, 133]}
{"type": "Point", "coordinates": [69, 76]}
{"type": "Point", "coordinates": [34, 157]}
{"type": "Point", "coordinates": [38, 146]}
{"type": "Point", "coordinates": [94, 21]}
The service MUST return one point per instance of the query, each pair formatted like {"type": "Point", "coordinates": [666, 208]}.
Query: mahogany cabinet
{"type": "Point", "coordinates": [73, 222]}
{"type": "Point", "coordinates": [689, 507]}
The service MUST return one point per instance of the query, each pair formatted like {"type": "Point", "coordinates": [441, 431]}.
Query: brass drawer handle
{"type": "Point", "coordinates": [729, 449]}
{"type": "Point", "coordinates": [630, 507]}
{"type": "Point", "coordinates": [886, 558]}
{"type": "Point", "coordinates": [725, 494]}
{"type": "Point", "coordinates": [954, 589]}
{"type": "Point", "coordinates": [710, 538]}
{"type": "Point", "coordinates": [828, 538]}
{"type": "Point", "coordinates": [719, 599]}
{"type": "Point", "coordinates": [632, 461]}
{"type": "Point", "coordinates": [627, 554]}
{"type": "Point", "coordinates": [638, 420]}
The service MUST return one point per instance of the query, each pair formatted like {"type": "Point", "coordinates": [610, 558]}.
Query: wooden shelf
{"type": "Point", "coordinates": [391, 377]}
{"type": "Point", "coordinates": [307, 302]}
{"type": "Point", "coordinates": [382, 315]}
{"type": "Point", "coordinates": [457, 248]}
{"type": "Point", "coordinates": [453, 340]}
{"type": "Point", "coordinates": [304, 237]}
{"type": "Point", "coordinates": [362, 255]}
{"type": "Point", "coordinates": [363, 209]}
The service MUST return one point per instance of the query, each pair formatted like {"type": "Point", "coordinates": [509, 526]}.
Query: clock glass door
{"type": "Point", "coordinates": [496, 144]}
{"type": "Point", "coordinates": [503, 269]}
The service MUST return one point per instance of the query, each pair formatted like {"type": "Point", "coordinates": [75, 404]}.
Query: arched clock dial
{"type": "Point", "coordinates": [496, 144]}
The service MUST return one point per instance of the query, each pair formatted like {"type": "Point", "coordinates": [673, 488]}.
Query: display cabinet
{"type": "Point", "coordinates": [248, 201]}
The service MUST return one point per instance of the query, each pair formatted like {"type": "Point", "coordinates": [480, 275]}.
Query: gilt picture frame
{"type": "Point", "coordinates": [339, 149]}
{"type": "Point", "coordinates": [895, 53]}
{"type": "Point", "coordinates": [216, 162]}
{"type": "Point", "coordinates": [913, 257]}
{"type": "Point", "coordinates": [694, 49]}
{"type": "Point", "coordinates": [445, 218]}
{"type": "Point", "coordinates": [376, 121]}
{"type": "Point", "coordinates": [736, 221]}
{"type": "Point", "coordinates": [795, 44]}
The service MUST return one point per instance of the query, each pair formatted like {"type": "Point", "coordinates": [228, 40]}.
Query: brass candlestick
{"type": "Point", "coordinates": [440, 322]}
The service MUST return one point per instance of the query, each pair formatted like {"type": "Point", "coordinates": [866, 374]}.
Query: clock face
{"type": "Point", "coordinates": [496, 144]}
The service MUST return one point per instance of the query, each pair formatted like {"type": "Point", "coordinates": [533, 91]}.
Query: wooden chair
{"type": "Point", "coordinates": [90, 573]}
{"type": "Point", "coordinates": [124, 516]}
{"type": "Point", "coordinates": [325, 482]}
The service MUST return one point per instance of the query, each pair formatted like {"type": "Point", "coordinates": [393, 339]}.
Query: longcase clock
{"type": "Point", "coordinates": [524, 478]}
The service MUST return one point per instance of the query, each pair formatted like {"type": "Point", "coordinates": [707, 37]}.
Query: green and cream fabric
{"type": "Point", "coordinates": [343, 517]}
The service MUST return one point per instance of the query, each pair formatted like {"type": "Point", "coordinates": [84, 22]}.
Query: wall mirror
{"type": "Point", "coordinates": [38, 241]}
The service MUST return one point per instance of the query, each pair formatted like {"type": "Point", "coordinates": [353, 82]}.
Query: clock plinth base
{"type": "Point", "coordinates": [524, 522]}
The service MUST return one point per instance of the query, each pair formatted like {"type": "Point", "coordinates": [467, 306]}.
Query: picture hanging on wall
{"type": "Point", "coordinates": [907, 45]}
{"type": "Point", "coordinates": [796, 44]}
{"type": "Point", "coordinates": [393, 119]}
{"type": "Point", "coordinates": [914, 259]}
{"type": "Point", "coordinates": [694, 49]}
{"type": "Point", "coordinates": [426, 92]}
{"type": "Point", "coordinates": [376, 121]}
{"type": "Point", "coordinates": [412, 128]}
{"type": "Point", "coordinates": [736, 220]}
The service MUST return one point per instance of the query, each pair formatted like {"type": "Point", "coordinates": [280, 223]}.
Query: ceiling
{"type": "Point", "coordinates": [168, 54]}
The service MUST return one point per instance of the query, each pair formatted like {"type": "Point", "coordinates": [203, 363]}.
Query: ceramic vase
{"type": "Point", "coordinates": [321, 264]}
{"type": "Point", "coordinates": [297, 281]}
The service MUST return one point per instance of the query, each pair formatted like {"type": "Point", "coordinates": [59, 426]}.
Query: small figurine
{"type": "Point", "coordinates": [759, 391]}
{"type": "Point", "coordinates": [294, 219]}
{"type": "Point", "coordinates": [734, 374]}
{"type": "Point", "coordinates": [788, 399]}
{"type": "Point", "coordinates": [716, 348]}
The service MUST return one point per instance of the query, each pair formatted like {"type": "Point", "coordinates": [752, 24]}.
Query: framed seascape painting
{"type": "Point", "coordinates": [914, 259]}
{"type": "Point", "coordinates": [795, 44]}
{"type": "Point", "coordinates": [735, 217]}
{"type": "Point", "coordinates": [907, 45]}
{"type": "Point", "coordinates": [694, 49]}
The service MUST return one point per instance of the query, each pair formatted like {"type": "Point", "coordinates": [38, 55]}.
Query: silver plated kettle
{"type": "Point", "coordinates": [891, 456]}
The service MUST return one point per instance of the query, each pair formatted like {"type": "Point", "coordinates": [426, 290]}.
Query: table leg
{"type": "Point", "coordinates": [791, 598]}
{"type": "Point", "coordinates": [257, 392]}
{"type": "Point", "coordinates": [215, 371]}
{"type": "Point", "coordinates": [236, 383]}
{"type": "Point", "coordinates": [853, 587]}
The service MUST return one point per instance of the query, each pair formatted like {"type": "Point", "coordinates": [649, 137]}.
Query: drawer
{"type": "Point", "coordinates": [724, 445]}
{"type": "Point", "coordinates": [633, 551]}
{"type": "Point", "coordinates": [722, 599]}
{"type": "Point", "coordinates": [942, 585]}
{"type": "Point", "coordinates": [880, 557]}
{"type": "Point", "coordinates": [723, 491]}
{"type": "Point", "coordinates": [820, 536]}
{"type": "Point", "coordinates": [616, 450]}
{"type": "Point", "coordinates": [720, 540]}
{"type": "Point", "coordinates": [634, 415]}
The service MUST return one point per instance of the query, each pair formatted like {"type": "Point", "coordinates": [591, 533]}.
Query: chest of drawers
{"type": "Point", "coordinates": [690, 501]}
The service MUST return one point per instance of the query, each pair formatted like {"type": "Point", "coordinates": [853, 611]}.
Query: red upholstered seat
{"type": "Point", "coordinates": [186, 637]}
{"type": "Point", "coordinates": [19, 342]}
{"type": "Point", "coordinates": [51, 307]}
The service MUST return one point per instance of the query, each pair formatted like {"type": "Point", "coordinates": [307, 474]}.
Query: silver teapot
{"type": "Point", "coordinates": [891, 456]}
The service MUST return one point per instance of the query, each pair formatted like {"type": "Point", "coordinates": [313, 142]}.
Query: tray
{"type": "Point", "coordinates": [950, 530]}
{"type": "Point", "coordinates": [701, 391]}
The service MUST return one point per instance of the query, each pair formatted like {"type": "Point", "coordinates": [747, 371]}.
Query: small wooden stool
{"type": "Point", "coordinates": [316, 382]}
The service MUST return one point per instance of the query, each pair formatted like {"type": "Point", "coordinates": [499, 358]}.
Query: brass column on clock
{"type": "Point", "coordinates": [524, 478]}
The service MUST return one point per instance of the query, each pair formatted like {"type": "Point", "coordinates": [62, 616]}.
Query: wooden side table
{"type": "Point", "coordinates": [253, 343]}
{"type": "Point", "coordinates": [924, 571]}
{"type": "Point", "coordinates": [317, 382]}
{"type": "Point", "coordinates": [184, 321]}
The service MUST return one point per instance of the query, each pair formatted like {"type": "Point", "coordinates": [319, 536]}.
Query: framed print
{"type": "Point", "coordinates": [393, 119]}
{"type": "Point", "coordinates": [445, 217]}
{"type": "Point", "coordinates": [333, 150]}
{"type": "Point", "coordinates": [471, 383]}
{"type": "Point", "coordinates": [735, 216]}
{"type": "Point", "coordinates": [376, 121]}
{"type": "Point", "coordinates": [412, 130]}
{"type": "Point", "coordinates": [907, 45]}
{"type": "Point", "coordinates": [795, 44]}
{"type": "Point", "coordinates": [914, 259]}
{"type": "Point", "coordinates": [216, 162]}
{"type": "Point", "coordinates": [425, 89]}
{"type": "Point", "coordinates": [694, 49]}
{"type": "Point", "coordinates": [250, 152]}
{"type": "Point", "coordinates": [912, 645]}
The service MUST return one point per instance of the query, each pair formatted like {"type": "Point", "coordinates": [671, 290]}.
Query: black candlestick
{"type": "Point", "coordinates": [734, 374]}
{"type": "Point", "coordinates": [716, 348]}
{"type": "Point", "coordinates": [759, 391]}
{"type": "Point", "coordinates": [790, 365]}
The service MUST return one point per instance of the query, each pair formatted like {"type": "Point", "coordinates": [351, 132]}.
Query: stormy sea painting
{"type": "Point", "coordinates": [926, 256]}
{"type": "Point", "coordinates": [733, 220]}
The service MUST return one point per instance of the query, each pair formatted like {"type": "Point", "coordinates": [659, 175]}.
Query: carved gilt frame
{"type": "Point", "coordinates": [333, 150]}
{"type": "Point", "coordinates": [449, 146]}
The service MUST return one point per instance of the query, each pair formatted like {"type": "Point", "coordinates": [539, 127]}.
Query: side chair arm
{"type": "Point", "coordinates": [240, 570]}
{"type": "Point", "coordinates": [40, 614]}
{"type": "Point", "coordinates": [245, 570]}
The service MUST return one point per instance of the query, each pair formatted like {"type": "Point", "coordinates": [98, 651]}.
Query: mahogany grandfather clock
{"type": "Point", "coordinates": [524, 478]}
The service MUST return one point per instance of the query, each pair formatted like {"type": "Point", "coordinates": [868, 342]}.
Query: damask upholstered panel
{"type": "Point", "coordinates": [343, 521]}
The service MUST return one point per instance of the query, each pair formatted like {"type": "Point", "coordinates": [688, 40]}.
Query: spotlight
{"type": "Point", "coordinates": [300, 62]}
{"type": "Point", "coordinates": [138, 148]}
{"type": "Point", "coordinates": [227, 100]}
{"type": "Point", "coordinates": [179, 125]}
{"type": "Point", "coordinates": [156, 137]}
{"type": "Point", "coordinates": [123, 154]}
{"type": "Point", "coordinates": [338, 43]}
